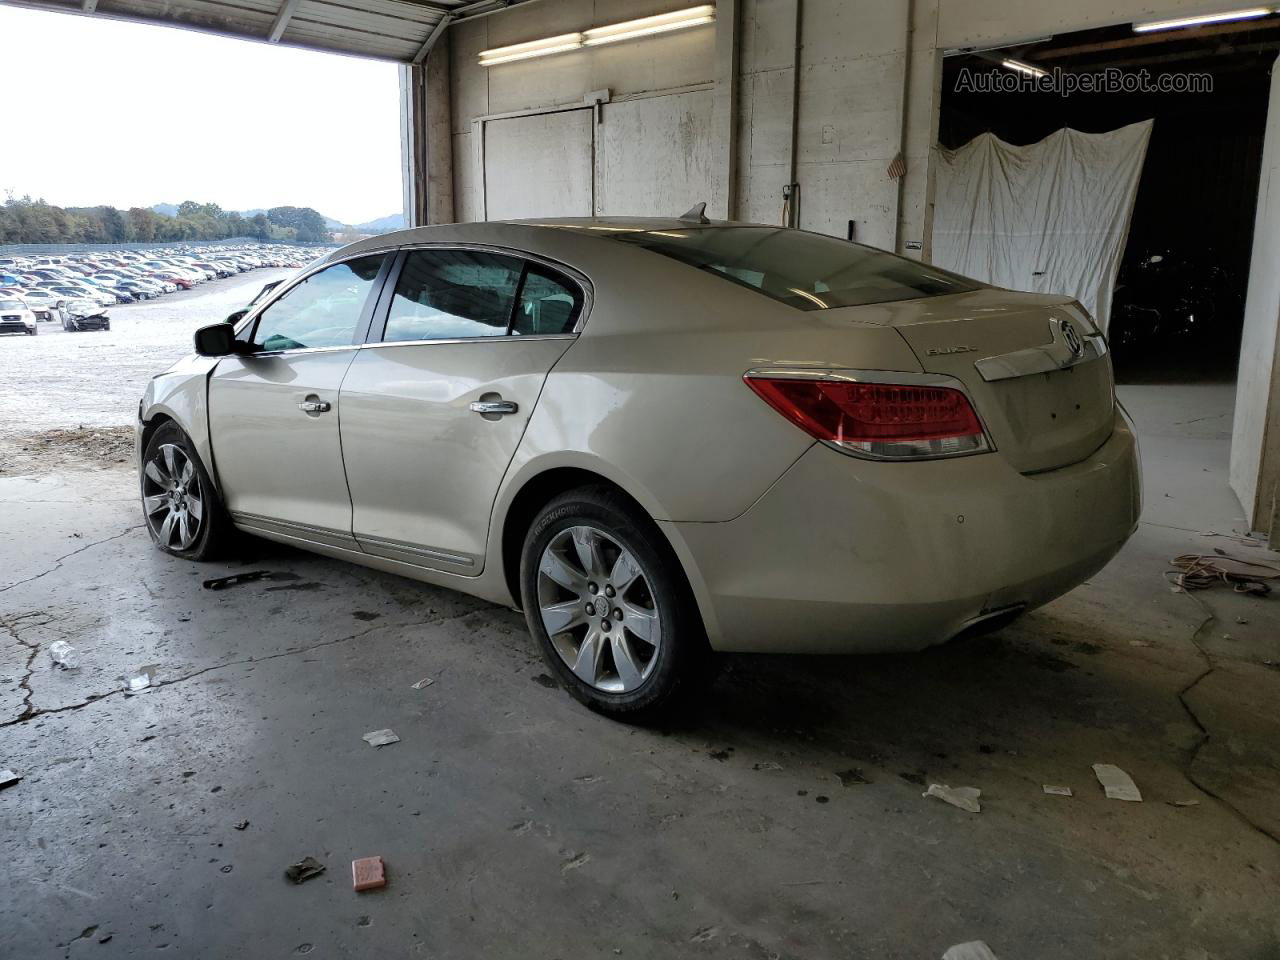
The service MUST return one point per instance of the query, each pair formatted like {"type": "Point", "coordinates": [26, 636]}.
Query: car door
{"type": "Point", "coordinates": [435, 404]}
{"type": "Point", "coordinates": [273, 411]}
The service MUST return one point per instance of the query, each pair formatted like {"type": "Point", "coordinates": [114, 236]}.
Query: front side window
{"type": "Point", "coordinates": [809, 271]}
{"type": "Point", "coordinates": [322, 311]}
{"type": "Point", "coordinates": [453, 294]}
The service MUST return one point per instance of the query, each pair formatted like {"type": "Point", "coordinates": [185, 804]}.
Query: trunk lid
{"type": "Point", "coordinates": [1037, 373]}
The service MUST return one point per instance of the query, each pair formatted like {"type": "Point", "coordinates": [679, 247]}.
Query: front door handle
{"type": "Point", "coordinates": [314, 406]}
{"type": "Point", "coordinates": [491, 407]}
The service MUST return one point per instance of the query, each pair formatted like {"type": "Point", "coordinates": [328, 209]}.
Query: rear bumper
{"type": "Point", "coordinates": [848, 556]}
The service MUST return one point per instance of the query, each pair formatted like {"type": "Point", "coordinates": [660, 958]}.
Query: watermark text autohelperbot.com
{"type": "Point", "coordinates": [1064, 83]}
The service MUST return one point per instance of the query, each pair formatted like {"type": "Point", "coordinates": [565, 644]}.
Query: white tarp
{"type": "Point", "coordinates": [1050, 217]}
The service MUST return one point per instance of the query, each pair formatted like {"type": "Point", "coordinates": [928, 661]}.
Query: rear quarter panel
{"type": "Point", "coordinates": [651, 394]}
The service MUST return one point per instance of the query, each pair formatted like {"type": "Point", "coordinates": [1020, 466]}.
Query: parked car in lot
{"type": "Point", "coordinates": [16, 316]}
{"type": "Point", "coordinates": [80, 315]}
{"type": "Point", "coordinates": [40, 302]}
{"type": "Point", "coordinates": [659, 438]}
{"type": "Point", "coordinates": [75, 291]}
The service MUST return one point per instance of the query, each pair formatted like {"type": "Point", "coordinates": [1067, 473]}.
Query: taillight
{"type": "Point", "coordinates": [887, 421]}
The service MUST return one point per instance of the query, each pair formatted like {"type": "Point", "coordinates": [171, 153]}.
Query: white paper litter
{"type": "Point", "coordinates": [966, 798]}
{"type": "Point", "coordinates": [380, 738]}
{"type": "Point", "coordinates": [8, 778]}
{"type": "Point", "coordinates": [1117, 784]}
{"type": "Point", "coordinates": [973, 950]}
{"type": "Point", "coordinates": [140, 679]}
{"type": "Point", "coordinates": [1053, 791]}
{"type": "Point", "coordinates": [423, 683]}
{"type": "Point", "coordinates": [64, 655]}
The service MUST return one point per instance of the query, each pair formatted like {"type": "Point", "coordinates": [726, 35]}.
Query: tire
{"type": "Point", "coordinates": [33, 331]}
{"type": "Point", "coordinates": [169, 450]}
{"type": "Point", "coordinates": [619, 671]}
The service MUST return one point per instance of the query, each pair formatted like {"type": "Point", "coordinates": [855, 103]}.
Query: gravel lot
{"type": "Point", "coordinates": [62, 393]}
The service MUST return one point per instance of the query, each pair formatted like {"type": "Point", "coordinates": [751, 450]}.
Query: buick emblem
{"type": "Point", "coordinates": [1071, 337]}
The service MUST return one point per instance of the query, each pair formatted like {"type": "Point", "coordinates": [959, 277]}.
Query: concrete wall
{"type": "Point", "coordinates": [868, 75]}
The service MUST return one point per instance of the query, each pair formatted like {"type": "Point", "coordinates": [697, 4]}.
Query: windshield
{"type": "Point", "coordinates": [10, 304]}
{"type": "Point", "coordinates": [809, 271]}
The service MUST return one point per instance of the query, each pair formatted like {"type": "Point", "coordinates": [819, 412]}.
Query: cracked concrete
{"type": "Point", "coordinates": [785, 819]}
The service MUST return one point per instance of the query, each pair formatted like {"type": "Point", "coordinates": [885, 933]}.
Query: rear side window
{"type": "Point", "coordinates": [446, 294]}
{"type": "Point", "coordinates": [549, 305]}
{"type": "Point", "coordinates": [809, 271]}
{"type": "Point", "coordinates": [453, 294]}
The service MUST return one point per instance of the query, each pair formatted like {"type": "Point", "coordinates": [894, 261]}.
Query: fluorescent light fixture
{"type": "Point", "coordinates": [1251, 13]}
{"type": "Point", "coordinates": [627, 30]}
{"type": "Point", "coordinates": [1026, 68]}
{"type": "Point", "coordinates": [646, 26]}
{"type": "Point", "coordinates": [534, 48]}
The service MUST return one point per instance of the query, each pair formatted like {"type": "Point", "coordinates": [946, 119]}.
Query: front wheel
{"type": "Point", "coordinates": [183, 511]}
{"type": "Point", "coordinates": [604, 595]}
{"type": "Point", "coordinates": [33, 331]}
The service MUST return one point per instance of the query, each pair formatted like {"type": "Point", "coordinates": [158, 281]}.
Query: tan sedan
{"type": "Point", "coordinates": [660, 438]}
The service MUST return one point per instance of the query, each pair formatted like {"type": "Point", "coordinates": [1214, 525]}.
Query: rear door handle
{"type": "Point", "coordinates": [499, 407]}
{"type": "Point", "coordinates": [314, 406]}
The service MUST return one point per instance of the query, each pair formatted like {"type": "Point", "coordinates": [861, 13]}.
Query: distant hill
{"type": "Point", "coordinates": [383, 224]}
{"type": "Point", "coordinates": [171, 210]}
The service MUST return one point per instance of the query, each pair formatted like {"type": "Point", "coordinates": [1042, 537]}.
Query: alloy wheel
{"type": "Point", "coordinates": [598, 609]}
{"type": "Point", "coordinates": [171, 497]}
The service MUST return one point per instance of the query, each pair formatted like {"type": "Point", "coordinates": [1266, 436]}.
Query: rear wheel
{"type": "Point", "coordinates": [183, 511]}
{"type": "Point", "coordinates": [605, 597]}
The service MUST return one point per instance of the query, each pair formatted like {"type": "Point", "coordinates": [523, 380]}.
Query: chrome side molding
{"type": "Point", "coordinates": [1065, 349]}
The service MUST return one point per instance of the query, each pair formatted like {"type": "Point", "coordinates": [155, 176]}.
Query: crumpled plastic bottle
{"type": "Point", "coordinates": [64, 655]}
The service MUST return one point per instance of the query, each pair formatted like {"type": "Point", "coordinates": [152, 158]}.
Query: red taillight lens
{"type": "Point", "coordinates": [884, 420]}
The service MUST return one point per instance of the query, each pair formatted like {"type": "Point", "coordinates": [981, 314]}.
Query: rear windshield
{"type": "Point", "coordinates": [809, 271]}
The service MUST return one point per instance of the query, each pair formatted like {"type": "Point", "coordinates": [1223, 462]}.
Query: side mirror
{"type": "Point", "coordinates": [216, 340]}
{"type": "Point", "coordinates": [236, 317]}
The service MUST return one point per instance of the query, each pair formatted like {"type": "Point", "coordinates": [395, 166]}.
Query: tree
{"type": "Point", "coordinates": [307, 224]}
{"type": "Point", "coordinates": [24, 220]}
{"type": "Point", "coordinates": [143, 222]}
{"type": "Point", "coordinates": [116, 226]}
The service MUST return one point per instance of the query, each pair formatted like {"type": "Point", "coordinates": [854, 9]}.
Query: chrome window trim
{"type": "Point", "coordinates": [572, 273]}
{"type": "Point", "coordinates": [297, 351]}
{"type": "Point", "coordinates": [373, 344]}
{"type": "Point", "coordinates": [883, 376]}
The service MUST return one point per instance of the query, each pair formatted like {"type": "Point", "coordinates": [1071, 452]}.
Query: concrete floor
{"type": "Point", "coordinates": [516, 824]}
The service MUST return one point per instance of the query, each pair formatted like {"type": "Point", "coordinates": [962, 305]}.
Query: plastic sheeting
{"type": "Point", "coordinates": [1050, 217]}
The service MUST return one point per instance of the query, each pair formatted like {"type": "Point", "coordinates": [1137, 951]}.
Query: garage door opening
{"type": "Point", "coordinates": [1179, 295]}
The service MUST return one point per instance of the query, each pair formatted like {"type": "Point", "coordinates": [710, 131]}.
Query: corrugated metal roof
{"type": "Point", "coordinates": [384, 29]}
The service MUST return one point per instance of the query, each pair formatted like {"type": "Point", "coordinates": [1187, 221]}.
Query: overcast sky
{"type": "Point", "coordinates": [98, 111]}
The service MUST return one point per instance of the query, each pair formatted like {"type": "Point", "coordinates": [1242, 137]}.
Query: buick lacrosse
{"type": "Point", "coordinates": [658, 438]}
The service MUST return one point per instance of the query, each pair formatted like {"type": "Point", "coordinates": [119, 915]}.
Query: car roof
{"type": "Point", "coordinates": [537, 235]}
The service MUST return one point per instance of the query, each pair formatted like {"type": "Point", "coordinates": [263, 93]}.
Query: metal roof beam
{"type": "Point", "coordinates": [283, 17]}
{"type": "Point", "coordinates": [432, 37]}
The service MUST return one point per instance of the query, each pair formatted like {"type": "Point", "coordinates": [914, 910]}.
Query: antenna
{"type": "Point", "coordinates": [697, 213]}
